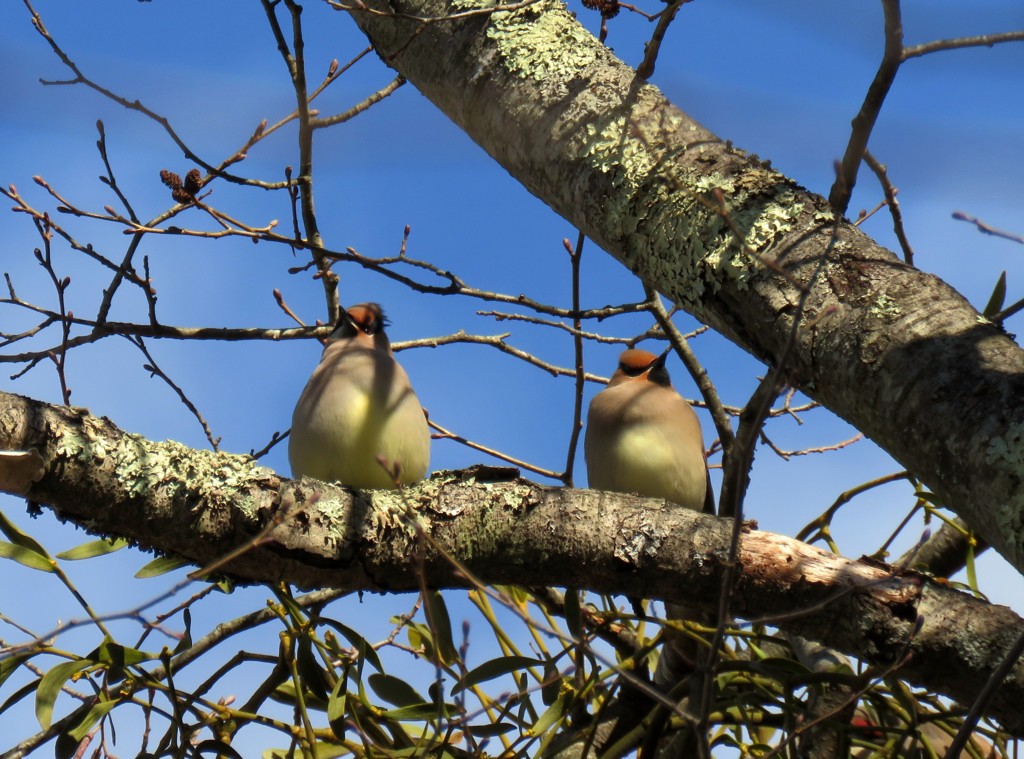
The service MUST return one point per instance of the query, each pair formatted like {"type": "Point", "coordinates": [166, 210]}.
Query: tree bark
{"type": "Point", "coordinates": [893, 350]}
{"type": "Point", "coordinates": [222, 510]}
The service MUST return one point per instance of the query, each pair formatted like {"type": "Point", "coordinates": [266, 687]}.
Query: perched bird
{"type": "Point", "coordinates": [643, 437]}
{"type": "Point", "coordinates": [925, 740]}
{"type": "Point", "coordinates": [359, 409]}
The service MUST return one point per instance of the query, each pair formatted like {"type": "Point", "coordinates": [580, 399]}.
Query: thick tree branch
{"type": "Point", "coordinates": [894, 351]}
{"type": "Point", "coordinates": [224, 510]}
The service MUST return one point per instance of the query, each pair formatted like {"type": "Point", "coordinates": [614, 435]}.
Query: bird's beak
{"type": "Point", "coordinates": [659, 362]}
{"type": "Point", "coordinates": [345, 318]}
{"type": "Point", "coordinates": [344, 321]}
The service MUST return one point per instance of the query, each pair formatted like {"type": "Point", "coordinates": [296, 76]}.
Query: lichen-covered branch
{"type": "Point", "coordinates": [223, 510]}
{"type": "Point", "coordinates": [894, 351]}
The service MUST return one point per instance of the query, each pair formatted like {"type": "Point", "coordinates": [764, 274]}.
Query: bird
{"type": "Point", "coordinates": [644, 438]}
{"type": "Point", "coordinates": [923, 740]}
{"type": "Point", "coordinates": [358, 421]}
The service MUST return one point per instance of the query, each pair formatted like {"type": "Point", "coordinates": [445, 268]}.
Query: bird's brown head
{"type": "Point", "coordinates": [365, 321]}
{"type": "Point", "coordinates": [637, 365]}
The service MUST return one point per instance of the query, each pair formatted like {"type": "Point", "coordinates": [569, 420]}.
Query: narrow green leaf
{"type": "Point", "coordinates": [114, 654]}
{"type": "Point", "coordinates": [972, 570]}
{"type": "Point", "coordinates": [420, 637]}
{"type": "Point", "coordinates": [441, 625]}
{"type": "Point", "coordinates": [370, 728]}
{"type": "Point", "coordinates": [494, 668]}
{"type": "Point", "coordinates": [996, 300]}
{"type": "Point", "coordinates": [50, 685]}
{"type": "Point", "coordinates": [20, 694]}
{"type": "Point", "coordinates": [93, 548]}
{"type": "Point", "coordinates": [98, 710]}
{"type": "Point", "coordinates": [725, 739]}
{"type": "Point", "coordinates": [295, 611]}
{"type": "Point", "coordinates": [161, 565]}
{"type": "Point", "coordinates": [551, 716]}
{"type": "Point", "coordinates": [394, 690]}
{"type": "Point", "coordinates": [572, 612]}
{"type": "Point", "coordinates": [357, 641]}
{"type": "Point", "coordinates": [186, 639]}
{"type": "Point", "coordinates": [312, 675]}
{"type": "Point", "coordinates": [331, 750]}
{"type": "Point", "coordinates": [20, 538]}
{"type": "Point", "coordinates": [489, 730]}
{"type": "Point", "coordinates": [552, 685]}
{"type": "Point", "coordinates": [117, 658]}
{"type": "Point", "coordinates": [217, 749]}
{"type": "Point", "coordinates": [26, 556]}
{"type": "Point", "coordinates": [285, 693]}
{"type": "Point", "coordinates": [780, 667]}
{"type": "Point", "coordinates": [417, 713]}
{"type": "Point", "coordinates": [927, 495]}
{"type": "Point", "coordinates": [336, 706]}
{"type": "Point", "coordinates": [10, 665]}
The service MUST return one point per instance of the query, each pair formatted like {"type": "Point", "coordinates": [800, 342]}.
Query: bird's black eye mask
{"type": "Point", "coordinates": [372, 320]}
{"type": "Point", "coordinates": [658, 372]}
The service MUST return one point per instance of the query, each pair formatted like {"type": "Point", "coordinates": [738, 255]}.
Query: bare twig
{"type": "Point", "coordinates": [987, 228]}
{"type": "Point", "coordinates": [894, 205]}
{"type": "Point", "coordinates": [719, 415]}
{"type": "Point", "coordinates": [575, 258]}
{"type": "Point", "coordinates": [653, 46]}
{"type": "Point", "coordinates": [449, 435]}
{"type": "Point", "coordinates": [983, 40]}
{"type": "Point", "coordinates": [156, 371]}
{"type": "Point", "coordinates": [351, 113]}
{"type": "Point", "coordinates": [864, 121]}
{"type": "Point", "coordinates": [819, 525]}
{"type": "Point", "coordinates": [783, 454]}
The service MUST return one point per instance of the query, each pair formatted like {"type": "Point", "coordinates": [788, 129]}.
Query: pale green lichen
{"type": "Point", "coordinates": [669, 221]}
{"type": "Point", "coordinates": [885, 307]}
{"type": "Point", "coordinates": [1008, 449]}
{"type": "Point", "coordinates": [668, 218]}
{"type": "Point", "coordinates": [679, 226]}
{"type": "Point", "coordinates": [763, 221]}
{"type": "Point", "coordinates": [82, 443]}
{"type": "Point", "coordinates": [542, 41]}
{"type": "Point", "coordinates": [460, 6]}
{"type": "Point", "coordinates": [334, 513]}
{"type": "Point", "coordinates": [213, 478]}
{"type": "Point", "coordinates": [143, 467]}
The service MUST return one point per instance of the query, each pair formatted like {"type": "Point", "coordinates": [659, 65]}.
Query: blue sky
{"type": "Point", "coordinates": [781, 79]}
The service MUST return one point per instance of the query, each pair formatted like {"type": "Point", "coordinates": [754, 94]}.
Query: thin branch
{"type": "Point", "coordinates": [982, 40]}
{"type": "Point", "coordinates": [713, 403]}
{"type": "Point", "coordinates": [449, 435]}
{"type": "Point", "coordinates": [156, 371]}
{"type": "Point", "coordinates": [864, 122]}
{"type": "Point", "coordinates": [786, 455]}
{"type": "Point", "coordinates": [651, 334]}
{"type": "Point", "coordinates": [894, 205]}
{"type": "Point", "coordinates": [646, 68]}
{"type": "Point", "coordinates": [363, 105]}
{"type": "Point", "coordinates": [575, 258]}
{"type": "Point", "coordinates": [987, 228]}
{"type": "Point", "coordinates": [132, 105]}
